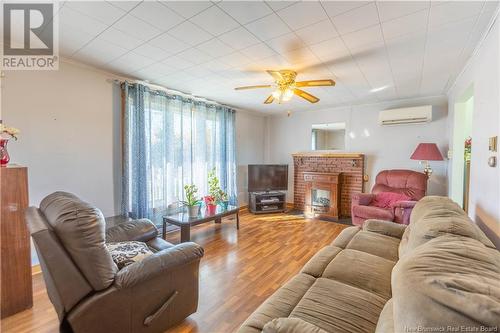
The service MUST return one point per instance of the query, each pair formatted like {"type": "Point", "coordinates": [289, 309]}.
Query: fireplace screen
{"type": "Point", "coordinates": [320, 198]}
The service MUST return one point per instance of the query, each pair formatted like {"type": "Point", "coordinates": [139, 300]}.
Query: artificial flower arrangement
{"type": "Point", "coordinates": [11, 132]}
{"type": "Point", "coordinates": [6, 133]}
{"type": "Point", "coordinates": [192, 202]}
{"type": "Point", "coordinates": [215, 193]}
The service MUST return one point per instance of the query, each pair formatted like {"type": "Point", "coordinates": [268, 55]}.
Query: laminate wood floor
{"type": "Point", "coordinates": [239, 271]}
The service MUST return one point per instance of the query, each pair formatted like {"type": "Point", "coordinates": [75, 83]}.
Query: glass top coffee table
{"type": "Point", "coordinates": [185, 222]}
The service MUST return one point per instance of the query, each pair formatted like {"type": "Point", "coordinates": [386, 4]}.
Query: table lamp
{"type": "Point", "coordinates": [427, 152]}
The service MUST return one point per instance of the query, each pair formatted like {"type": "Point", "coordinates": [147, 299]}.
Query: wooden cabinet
{"type": "Point", "coordinates": [16, 287]}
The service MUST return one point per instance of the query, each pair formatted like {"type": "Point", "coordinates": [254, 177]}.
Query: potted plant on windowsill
{"type": "Point", "coordinates": [216, 194]}
{"type": "Point", "coordinates": [192, 202]}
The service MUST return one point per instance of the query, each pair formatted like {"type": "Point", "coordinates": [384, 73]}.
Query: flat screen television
{"type": "Point", "coordinates": [267, 177]}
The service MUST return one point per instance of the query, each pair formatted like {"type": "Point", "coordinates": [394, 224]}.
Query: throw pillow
{"type": "Point", "coordinates": [388, 199]}
{"type": "Point", "coordinates": [127, 253]}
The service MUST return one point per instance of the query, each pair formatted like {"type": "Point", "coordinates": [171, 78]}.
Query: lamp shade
{"type": "Point", "coordinates": [427, 152]}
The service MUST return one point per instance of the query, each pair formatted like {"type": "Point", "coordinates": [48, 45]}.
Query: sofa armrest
{"type": "Point", "coordinates": [363, 199]}
{"type": "Point", "coordinates": [384, 228]}
{"type": "Point", "coordinates": [158, 263]}
{"type": "Point", "coordinates": [405, 204]}
{"type": "Point", "coordinates": [141, 230]}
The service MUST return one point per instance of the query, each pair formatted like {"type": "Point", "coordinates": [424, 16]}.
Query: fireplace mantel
{"type": "Point", "coordinates": [328, 154]}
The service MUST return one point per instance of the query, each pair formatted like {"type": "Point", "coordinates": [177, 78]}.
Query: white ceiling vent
{"type": "Point", "coordinates": [413, 115]}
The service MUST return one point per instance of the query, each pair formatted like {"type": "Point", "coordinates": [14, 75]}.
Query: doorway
{"type": "Point", "coordinates": [462, 148]}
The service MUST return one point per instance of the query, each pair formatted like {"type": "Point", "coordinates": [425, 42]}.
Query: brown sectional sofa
{"type": "Point", "coordinates": [439, 274]}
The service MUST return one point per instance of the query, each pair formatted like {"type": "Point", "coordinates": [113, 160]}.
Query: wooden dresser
{"type": "Point", "coordinates": [16, 287]}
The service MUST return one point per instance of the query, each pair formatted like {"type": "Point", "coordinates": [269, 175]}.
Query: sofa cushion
{"type": "Point", "coordinates": [363, 270]}
{"type": "Point", "coordinates": [384, 228]}
{"type": "Point", "coordinates": [127, 253]}
{"type": "Point", "coordinates": [281, 303]}
{"type": "Point", "coordinates": [290, 325]}
{"type": "Point", "coordinates": [377, 244]}
{"type": "Point", "coordinates": [372, 212]}
{"type": "Point", "coordinates": [337, 307]}
{"type": "Point", "coordinates": [345, 237]}
{"type": "Point", "coordinates": [388, 199]}
{"type": "Point", "coordinates": [81, 228]}
{"type": "Point", "coordinates": [317, 264]}
{"type": "Point", "coordinates": [449, 281]}
{"type": "Point", "coordinates": [436, 216]}
{"type": "Point", "coordinates": [385, 322]}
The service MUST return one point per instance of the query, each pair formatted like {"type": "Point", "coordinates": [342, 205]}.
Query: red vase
{"type": "Point", "coordinates": [211, 209]}
{"type": "Point", "coordinates": [4, 154]}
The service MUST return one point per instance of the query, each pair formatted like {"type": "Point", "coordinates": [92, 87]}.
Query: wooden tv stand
{"type": "Point", "coordinates": [267, 202]}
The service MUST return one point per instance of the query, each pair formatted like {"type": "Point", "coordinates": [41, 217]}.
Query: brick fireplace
{"type": "Point", "coordinates": [349, 168]}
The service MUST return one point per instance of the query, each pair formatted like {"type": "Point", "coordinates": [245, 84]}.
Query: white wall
{"type": "Point", "coordinates": [67, 123]}
{"type": "Point", "coordinates": [387, 147]}
{"type": "Point", "coordinates": [483, 73]}
{"type": "Point", "coordinates": [250, 139]}
{"type": "Point", "coordinates": [70, 139]}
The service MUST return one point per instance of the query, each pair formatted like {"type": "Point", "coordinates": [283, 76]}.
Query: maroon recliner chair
{"type": "Point", "coordinates": [410, 183]}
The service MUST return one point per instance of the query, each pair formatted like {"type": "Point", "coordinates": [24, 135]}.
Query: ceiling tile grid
{"type": "Point", "coordinates": [374, 50]}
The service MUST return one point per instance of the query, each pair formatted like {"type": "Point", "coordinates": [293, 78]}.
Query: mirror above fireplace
{"type": "Point", "coordinates": [329, 136]}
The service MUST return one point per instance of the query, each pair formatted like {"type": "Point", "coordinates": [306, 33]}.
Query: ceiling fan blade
{"type": "Point", "coordinates": [254, 87]}
{"type": "Point", "coordinates": [305, 95]}
{"type": "Point", "coordinates": [269, 100]}
{"type": "Point", "coordinates": [275, 74]}
{"type": "Point", "coordinates": [315, 83]}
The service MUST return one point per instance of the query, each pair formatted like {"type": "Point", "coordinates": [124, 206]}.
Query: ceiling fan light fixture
{"type": "Point", "coordinates": [287, 94]}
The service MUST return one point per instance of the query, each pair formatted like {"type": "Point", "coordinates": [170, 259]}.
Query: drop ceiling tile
{"type": "Point", "coordinates": [195, 56]}
{"type": "Point", "coordinates": [302, 14]}
{"type": "Point", "coordinates": [273, 62]}
{"type": "Point", "coordinates": [368, 36]}
{"type": "Point", "coordinates": [100, 51]}
{"type": "Point", "coordinates": [188, 8]}
{"type": "Point", "coordinates": [239, 38]}
{"type": "Point", "coordinates": [177, 62]}
{"type": "Point", "coordinates": [151, 51]}
{"type": "Point", "coordinates": [236, 59]}
{"type": "Point", "coordinates": [130, 62]}
{"type": "Point", "coordinates": [454, 11]}
{"type": "Point", "coordinates": [330, 49]}
{"type": "Point", "coordinates": [136, 28]}
{"type": "Point", "coordinates": [334, 8]}
{"type": "Point", "coordinates": [199, 71]}
{"type": "Point", "coordinates": [277, 5]}
{"type": "Point", "coordinates": [301, 58]}
{"type": "Point", "coordinates": [258, 51]}
{"type": "Point", "coordinates": [245, 11]}
{"type": "Point", "coordinates": [285, 43]}
{"type": "Point", "coordinates": [125, 5]}
{"type": "Point", "coordinates": [215, 48]}
{"type": "Point", "coordinates": [71, 40]}
{"type": "Point", "coordinates": [78, 21]}
{"type": "Point", "coordinates": [99, 10]}
{"type": "Point", "coordinates": [317, 32]}
{"type": "Point", "coordinates": [268, 27]}
{"type": "Point", "coordinates": [190, 33]}
{"type": "Point", "coordinates": [405, 25]}
{"type": "Point", "coordinates": [120, 38]}
{"type": "Point", "coordinates": [218, 66]}
{"type": "Point", "coordinates": [356, 19]}
{"type": "Point", "coordinates": [214, 21]}
{"type": "Point", "coordinates": [157, 15]}
{"type": "Point", "coordinates": [154, 71]}
{"type": "Point", "coordinates": [169, 44]}
{"type": "Point", "coordinates": [389, 10]}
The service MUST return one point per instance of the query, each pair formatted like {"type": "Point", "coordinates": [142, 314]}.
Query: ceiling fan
{"type": "Point", "coordinates": [286, 87]}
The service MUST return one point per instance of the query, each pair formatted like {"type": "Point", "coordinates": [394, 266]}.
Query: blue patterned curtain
{"type": "Point", "coordinates": [170, 141]}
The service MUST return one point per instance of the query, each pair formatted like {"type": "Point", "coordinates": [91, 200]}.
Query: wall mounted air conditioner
{"type": "Point", "coordinates": [413, 115]}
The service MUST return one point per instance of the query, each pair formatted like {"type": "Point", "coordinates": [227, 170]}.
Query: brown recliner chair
{"type": "Point", "coordinates": [88, 291]}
